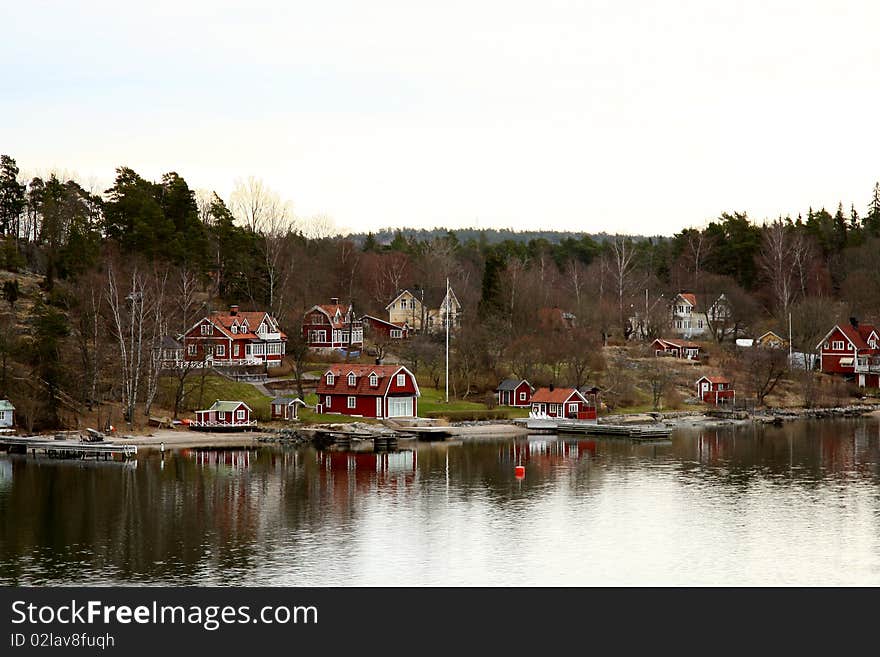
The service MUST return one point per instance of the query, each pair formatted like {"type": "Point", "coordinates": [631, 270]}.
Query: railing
{"type": "Point", "coordinates": [269, 336]}
{"type": "Point", "coordinates": [249, 423]}
{"type": "Point", "coordinates": [862, 368]}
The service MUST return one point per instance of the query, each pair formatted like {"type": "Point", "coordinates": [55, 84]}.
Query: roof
{"type": "Point", "coordinates": [226, 406]}
{"type": "Point", "coordinates": [225, 320]}
{"type": "Point", "coordinates": [555, 396]}
{"type": "Point", "coordinates": [286, 401]}
{"type": "Point", "coordinates": [714, 379]}
{"type": "Point", "coordinates": [378, 320]}
{"type": "Point", "coordinates": [431, 297]}
{"type": "Point", "coordinates": [336, 312]}
{"type": "Point", "coordinates": [170, 343]}
{"type": "Point", "coordinates": [858, 336]}
{"type": "Point", "coordinates": [771, 334]}
{"type": "Point", "coordinates": [6, 405]}
{"type": "Point", "coordinates": [362, 385]}
{"type": "Point", "coordinates": [511, 384]}
{"type": "Point", "coordinates": [689, 297]}
{"type": "Point", "coordinates": [687, 344]}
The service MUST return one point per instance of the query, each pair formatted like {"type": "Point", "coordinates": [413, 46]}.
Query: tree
{"type": "Point", "coordinates": [12, 197]}
{"type": "Point", "coordinates": [659, 375]}
{"type": "Point", "coordinates": [11, 292]}
{"type": "Point", "coordinates": [762, 369]}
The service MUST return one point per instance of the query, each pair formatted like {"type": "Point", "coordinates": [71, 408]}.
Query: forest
{"type": "Point", "coordinates": [93, 279]}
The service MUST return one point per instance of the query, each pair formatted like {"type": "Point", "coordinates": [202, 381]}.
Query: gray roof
{"type": "Point", "coordinates": [287, 400]}
{"type": "Point", "coordinates": [170, 343]}
{"type": "Point", "coordinates": [6, 405]}
{"type": "Point", "coordinates": [226, 406]}
{"type": "Point", "coordinates": [510, 384]}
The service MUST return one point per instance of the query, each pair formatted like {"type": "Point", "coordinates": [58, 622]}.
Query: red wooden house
{"type": "Point", "coordinates": [852, 351]}
{"type": "Point", "coordinates": [369, 391]}
{"type": "Point", "coordinates": [224, 415]}
{"type": "Point", "coordinates": [715, 390]}
{"type": "Point", "coordinates": [567, 403]}
{"type": "Point", "coordinates": [385, 330]}
{"type": "Point", "coordinates": [333, 326]}
{"type": "Point", "coordinates": [235, 338]}
{"type": "Point", "coordinates": [285, 408]}
{"type": "Point", "coordinates": [677, 348]}
{"type": "Point", "coordinates": [514, 392]}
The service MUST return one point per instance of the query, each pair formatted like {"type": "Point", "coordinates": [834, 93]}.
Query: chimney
{"type": "Point", "coordinates": [334, 301]}
{"type": "Point", "coordinates": [233, 310]}
{"type": "Point", "coordinates": [552, 387]}
{"type": "Point", "coordinates": [854, 321]}
{"type": "Point", "coordinates": [378, 361]}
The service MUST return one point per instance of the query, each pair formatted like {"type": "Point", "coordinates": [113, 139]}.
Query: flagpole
{"type": "Point", "coordinates": [447, 339]}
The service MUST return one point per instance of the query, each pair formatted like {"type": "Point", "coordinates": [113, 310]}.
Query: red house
{"type": "Point", "coordinates": [235, 338]}
{"type": "Point", "coordinates": [383, 329]}
{"type": "Point", "coordinates": [563, 403]}
{"type": "Point", "coordinates": [677, 348]}
{"type": "Point", "coordinates": [224, 415]}
{"type": "Point", "coordinates": [333, 326]}
{"type": "Point", "coordinates": [285, 408]}
{"type": "Point", "coordinates": [852, 351]}
{"type": "Point", "coordinates": [369, 391]}
{"type": "Point", "coordinates": [514, 392]}
{"type": "Point", "coordinates": [715, 390]}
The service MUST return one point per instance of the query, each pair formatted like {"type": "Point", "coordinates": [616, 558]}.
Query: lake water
{"type": "Point", "coordinates": [799, 504]}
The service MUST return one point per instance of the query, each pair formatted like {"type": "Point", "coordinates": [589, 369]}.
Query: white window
{"type": "Point", "coordinates": [262, 328]}
{"type": "Point", "coordinates": [837, 345]}
{"type": "Point", "coordinates": [330, 379]}
{"type": "Point", "coordinates": [396, 333]}
{"type": "Point", "coordinates": [2, 415]}
{"type": "Point", "coordinates": [374, 380]}
{"type": "Point", "coordinates": [234, 328]}
{"type": "Point", "coordinates": [352, 379]}
{"type": "Point", "coordinates": [522, 396]}
{"type": "Point", "coordinates": [239, 414]}
{"type": "Point", "coordinates": [244, 327]}
{"type": "Point", "coordinates": [352, 402]}
{"type": "Point", "coordinates": [573, 408]}
{"type": "Point", "coordinates": [238, 350]}
{"type": "Point", "coordinates": [328, 400]}
{"type": "Point", "coordinates": [699, 323]}
{"type": "Point", "coordinates": [207, 329]}
{"type": "Point", "coordinates": [221, 350]}
{"type": "Point", "coordinates": [401, 380]}
{"type": "Point", "coordinates": [191, 349]}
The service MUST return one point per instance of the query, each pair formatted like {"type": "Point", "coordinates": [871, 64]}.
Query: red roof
{"type": "Point", "coordinates": [555, 396]}
{"type": "Point", "coordinates": [714, 379]}
{"type": "Point", "coordinates": [689, 297]}
{"type": "Point", "coordinates": [858, 336]}
{"type": "Point", "coordinates": [226, 320]}
{"type": "Point", "coordinates": [362, 382]}
{"type": "Point", "coordinates": [330, 309]}
{"type": "Point", "coordinates": [686, 344]}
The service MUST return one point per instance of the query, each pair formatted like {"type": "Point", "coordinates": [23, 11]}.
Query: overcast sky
{"type": "Point", "coordinates": [618, 115]}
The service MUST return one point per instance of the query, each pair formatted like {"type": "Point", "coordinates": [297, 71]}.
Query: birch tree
{"type": "Point", "coordinates": [127, 326]}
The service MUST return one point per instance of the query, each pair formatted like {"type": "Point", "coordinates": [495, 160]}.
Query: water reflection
{"type": "Point", "coordinates": [791, 504]}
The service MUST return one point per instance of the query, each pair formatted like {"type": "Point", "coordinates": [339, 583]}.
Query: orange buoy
{"type": "Point", "coordinates": [520, 472]}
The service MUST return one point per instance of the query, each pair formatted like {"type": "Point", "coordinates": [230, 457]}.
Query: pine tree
{"type": "Point", "coordinates": [871, 222]}
{"type": "Point", "coordinates": [12, 201]}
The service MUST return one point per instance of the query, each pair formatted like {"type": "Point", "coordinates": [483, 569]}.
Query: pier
{"type": "Point", "coordinates": [65, 449]}
{"type": "Point", "coordinates": [632, 431]}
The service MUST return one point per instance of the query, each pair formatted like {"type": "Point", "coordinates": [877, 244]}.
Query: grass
{"type": "Point", "coordinates": [216, 387]}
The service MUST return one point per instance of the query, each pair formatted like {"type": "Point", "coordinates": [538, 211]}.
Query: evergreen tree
{"type": "Point", "coordinates": [12, 199]}
{"type": "Point", "coordinates": [871, 222]}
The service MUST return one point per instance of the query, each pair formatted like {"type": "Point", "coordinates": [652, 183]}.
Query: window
{"type": "Point", "coordinates": [221, 350]}
{"type": "Point", "coordinates": [239, 415]}
{"type": "Point", "coordinates": [238, 350]}
{"type": "Point", "coordinates": [352, 402]}
{"type": "Point", "coordinates": [207, 329]}
{"type": "Point", "coordinates": [328, 400]}
{"type": "Point", "coordinates": [244, 327]}
{"type": "Point", "coordinates": [234, 328]}
{"type": "Point", "coordinates": [401, 380]}
{"type": "Point", "coordinates": [396, 333]}
{"type": "Point", "coordinates": [2, 415]}
{"type": "Point", "coordinates": [573, 408]}
{"type": "Point", "coordinates": [837, 345]}
{"type": "Point", "coordinates": [374, 380]}
{"type": "Point", "coordinates": [522, 396]}
{"type": "Point", "coordinates": [330, 378]}
{"type": "Point", "coordinates": [191, 349]}
{"type": "Point", "coordinates": [352, 380]}
{"type": "Point", "coordinates": [699, 323]}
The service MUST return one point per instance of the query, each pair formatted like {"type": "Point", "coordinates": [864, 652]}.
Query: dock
{"type": "Point", "coordinates": [66, 449]}
{"type": "Point", "coordinates": [631, 431]}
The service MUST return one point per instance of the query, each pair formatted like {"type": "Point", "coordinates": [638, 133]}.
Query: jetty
{"type": "Point", "coordinates": [632, 431]}
{"type": "Point", "coordinates": [65, 449]}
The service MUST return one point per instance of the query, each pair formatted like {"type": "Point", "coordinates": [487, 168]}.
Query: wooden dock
{"type": "Point", "coordinates": [66, 449]}
{"type": "Point", "coordinates": [631, 431]}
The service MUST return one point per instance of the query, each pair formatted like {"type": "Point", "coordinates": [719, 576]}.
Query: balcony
{"type": "Point", "coordinates": [269, 336]}
{"type": "Point", "coordinates": [867, 366]}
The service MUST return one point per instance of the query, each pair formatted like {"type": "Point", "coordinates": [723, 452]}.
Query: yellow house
{"type": "Point", "coordinates": [425, 309]}
{"type": "Point", "coordinates": [771, 340]}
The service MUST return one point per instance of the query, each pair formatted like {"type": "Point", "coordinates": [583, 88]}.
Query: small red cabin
{"type": "Point", "coordinates": [223, 415]}
{"type": "Point", "coordinates": [369, 391]}
{"type": "Point", "coordinates": [285, 408]}
{"type": "Point", "coordinates": [677, 348]}
{"type": "Point", "coordinates": [379, 329]}
{"type": "Point", "coordinates": [567, 403]}
{"type": "Point", "coordinates": [715, 390]}
{"type": "Point", "coordinates": [514, 392]}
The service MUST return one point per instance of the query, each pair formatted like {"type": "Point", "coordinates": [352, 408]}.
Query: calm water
{"type": "Point", "coordinates": [793, 505]}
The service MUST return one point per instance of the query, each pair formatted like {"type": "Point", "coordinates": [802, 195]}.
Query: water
{"type": "Point", "coordinates": [798, 504]}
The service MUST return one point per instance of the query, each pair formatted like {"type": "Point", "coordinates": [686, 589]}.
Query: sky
{"type": "Point", "coordinates": [624, 116]}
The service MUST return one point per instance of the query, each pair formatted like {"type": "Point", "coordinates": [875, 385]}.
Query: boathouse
{"type": "Point", "coordinates": [285, 408]}
{"type": "Point", "coordinates": [567, 403]}
{"type": "Point", "coordinates": [224, 415]}
{"type": "Point", "coordinates": [715, 390]}
{"type": "Point", "coordinates": [514, 392]}
{"type": "Point", "coordinates": [368, 391]}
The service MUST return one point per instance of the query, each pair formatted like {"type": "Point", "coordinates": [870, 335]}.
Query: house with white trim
{"type": "Point", "coordinates": [380, 391]}
{"type": "Point", "coordinates": [235, 338]}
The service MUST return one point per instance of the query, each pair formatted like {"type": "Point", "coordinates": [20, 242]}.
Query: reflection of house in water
{"type": "Point", "coordinates": [5, 474]}
{"type": "Point", "coordinates": [547, 452]}
{"type": "Point", "coordinates": [227, 458]}
{"type": "Point", "coordinates": [364, 468]}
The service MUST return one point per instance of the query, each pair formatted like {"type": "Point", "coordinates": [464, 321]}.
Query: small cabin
{"type": "Point", "coordinates": [568, 403]}
{"type": "Point", "coordinates": [716, 390]}
{"type": "Point", "coordinates": [676, 348]}
{"type": "Point", "coordinates": [7, 414]}
{"type": "Point", "coordinates": [225, 415]}
{"type": "Point", "coordinates": [514, 392]}
{"type": "Point", "coordinates": [285, 408]}
{"type": "Point", "coordinates": [771, 340]}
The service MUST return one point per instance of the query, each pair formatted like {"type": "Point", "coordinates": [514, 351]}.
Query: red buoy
{"type": "Point", "coordinates": [520, 472]}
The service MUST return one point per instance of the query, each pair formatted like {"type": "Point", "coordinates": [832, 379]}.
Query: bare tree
{"type": "Point", "coordinates": [762, 369]}
{"type": "Point", "coordinates": [127, 326]}
{"type": "Point", "coordinates": [621, 266]}
{"type": "Point", "coordinates": [777, 263]}
{"type": "Point", "coordinates": [658, 374]}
